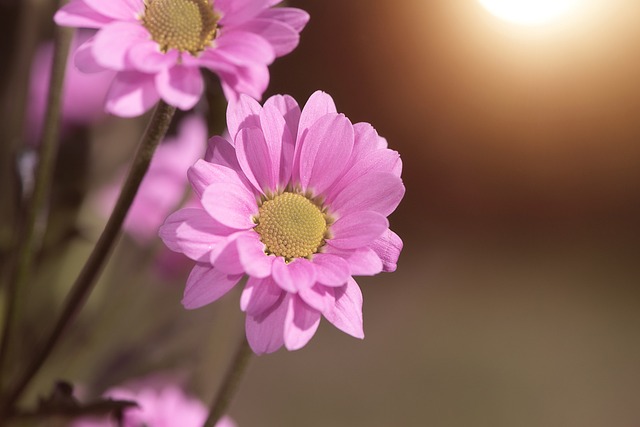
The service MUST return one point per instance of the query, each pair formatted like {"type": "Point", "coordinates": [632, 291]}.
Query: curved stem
{"type": "Point", "coordinates": [230, 383]}
{"type": "Point", "coordinates": [83, 285]}
{"type": "Point", "coordinates": [34, 225]}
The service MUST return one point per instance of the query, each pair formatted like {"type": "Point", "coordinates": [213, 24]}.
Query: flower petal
{"type": "Point", "coordinates": [346, 314]}
{"type": "Point", "coordinates": [113, 42]}
{"type": "Point", "coordinates": [282, 37]}
{"type": "Point", "coordinates": [378, 191]}
{"type": "Point", "coordinates": [366, 140]}
{"type": "Point", "coordinates": [255, 160]}
{"type": "Point", "coordinates": [249, 80]}
{"type": "Point", "coordinates": [318, 105]}
{"type": "Point", "coordinates": [242, 48]}
{"type": "Point", "coordinates": [381, 160]}
{"type": "Point", "coordinates": [84, 60]}
{"type": "Point", "coordinates": [300, 324]}
{"type": "Point", "coordinates": [362, 261]}
{"type": "Point", "coordinates": [205, 285]}
{"type": "Point", "coordinates": [317, 297]}
{"type": "Point", "coordinates": [202, 174]}
{"type": "Point", "coordinates": [242, 113]}
{"type": "Point", "coordinates": [388, 247]}
{"type": "Point", "coordinates": [252, 256]}
{"type": "Point", "coordinates": [221, 152]}
{"type": "Point", "coordinates": [279, 140]}
{"type": "Point", "coordinates": [265, 332]}
{"type": "Point", "coordinates": [230, 204]}
{"type": "Point", "coordinates": [235, 12]}
{"type": "Point", "coordinates": [226, 258]}
{"type": "Point", "coordinates": [325, 152]}
{"type": "Point", "coordinates": [331, 270]}
{"type": "Point", "coordinates": [297, 274]}
{"type": "Point", "coordinates": [78, 14]}
{"type": "Point", "coordinates": [180, 86]}
{"type": "Point", "coordinates": [148, 58]}
{"type": "Point", "coordinates": [127, 10]}
{"type": "Point", "coordinates": [259, 295]}
{"type": "Point", "coordinates": [294, 17]}
{"type": "Point", "coordinates": [131, 94]}
{"type": "Point", "coordinates": [289, 110]}
{"type": "Point", "coordinates": [193, 232]}
{"type": "Point", "coordinates": [358, 229]}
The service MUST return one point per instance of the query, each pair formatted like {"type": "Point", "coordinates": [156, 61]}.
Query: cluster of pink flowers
{"type": "Point", "coordinates": [297, 200]}
{"type": "Point", "coordinates": [157, 47]}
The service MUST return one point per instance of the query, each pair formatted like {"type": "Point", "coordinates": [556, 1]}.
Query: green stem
{"type": "Point", "coordinates": [34, 225]}
{"type": "Point", "coordinates": [85, 282]}
{"type": "Point", "coordinates": [230, 383]}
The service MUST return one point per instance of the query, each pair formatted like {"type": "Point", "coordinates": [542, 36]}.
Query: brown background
{"type": "Point", "coordinates": [516, 301]}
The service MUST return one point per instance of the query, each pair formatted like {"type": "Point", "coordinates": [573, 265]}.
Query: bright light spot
{"type": "Point", "coordinates": [529, 12]}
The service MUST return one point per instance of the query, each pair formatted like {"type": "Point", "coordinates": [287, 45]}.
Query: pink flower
{"type": "Point", "coordinates": [158, 46]}
{"type": "Point", "coordinates": [165, 183]}
{"type": "Point", "coordinates": [84, 94]}
{"type": "Point", "coordinates": [158, 406]}
{"type": "Point", "coordinates": [298, 201]}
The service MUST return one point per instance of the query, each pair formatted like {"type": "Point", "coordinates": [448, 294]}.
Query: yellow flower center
{"type": "Point", "coordinates": [185, 25]}
{"type": "Point", "coordinates": [291, 226]}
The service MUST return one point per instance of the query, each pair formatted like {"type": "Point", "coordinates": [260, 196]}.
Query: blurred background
{"type": "Point", "coordinates": [516, 301]}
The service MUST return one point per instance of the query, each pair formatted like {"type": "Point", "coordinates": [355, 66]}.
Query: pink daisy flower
{"type": "Point", "coordinates": [159, 405]}
{"type": "Point", "coordinates": [164, 185]}
{"type": "Point", "coordinates": [158, 46]}
{"type": "Point", "coordinates": [297, 200]}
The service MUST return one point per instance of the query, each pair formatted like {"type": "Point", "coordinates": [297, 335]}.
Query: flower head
{"type": "Point", "coordinates": [297, 200]}
{"type": "Point", "coordinates": [158, 46]}
{"type": "Point", "coordinates": [159, 405]}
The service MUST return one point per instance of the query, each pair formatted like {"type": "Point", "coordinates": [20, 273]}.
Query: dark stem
{"type": "Point", "coordinates": [156, 130]}
{"type": "Point", "coordinates": [32, 230]}
{"type": "Point", "coordinates": [13, 102]}
{"type": "Point", "coordinates": [230, 383]}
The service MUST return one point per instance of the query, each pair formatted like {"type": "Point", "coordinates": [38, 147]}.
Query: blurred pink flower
{"type": "Point", "coordinates": [158, 46]}
{"type": "Point", "coordinates": [158, 406]}
{"type": "Point", "coordinates": [84, 94]}
{"type": "Point", "coordinates": [165, 183]}
{"type": "Point", "coordinates": [298, 201]}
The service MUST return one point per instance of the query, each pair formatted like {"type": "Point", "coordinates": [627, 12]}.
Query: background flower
{"type": "Point", "coordinates": [157, 47]}
{"type": "Point", "coordinates": [297, 200]}
{"type": "Point", "coordinates": [159, 405]}
{"type": "Point", "coordinates": [83, 97]}
{"type": "Point", "coordinates": [165, 183]}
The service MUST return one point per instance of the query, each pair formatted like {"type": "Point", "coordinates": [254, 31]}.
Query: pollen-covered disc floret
{"type": "Point", "coordinates": [291, 226]}
{"type": "Point", "coordinates": [185, 25]}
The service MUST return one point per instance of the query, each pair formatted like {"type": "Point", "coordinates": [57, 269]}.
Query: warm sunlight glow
{"type": "Point", "coordinates": [528, 12]}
